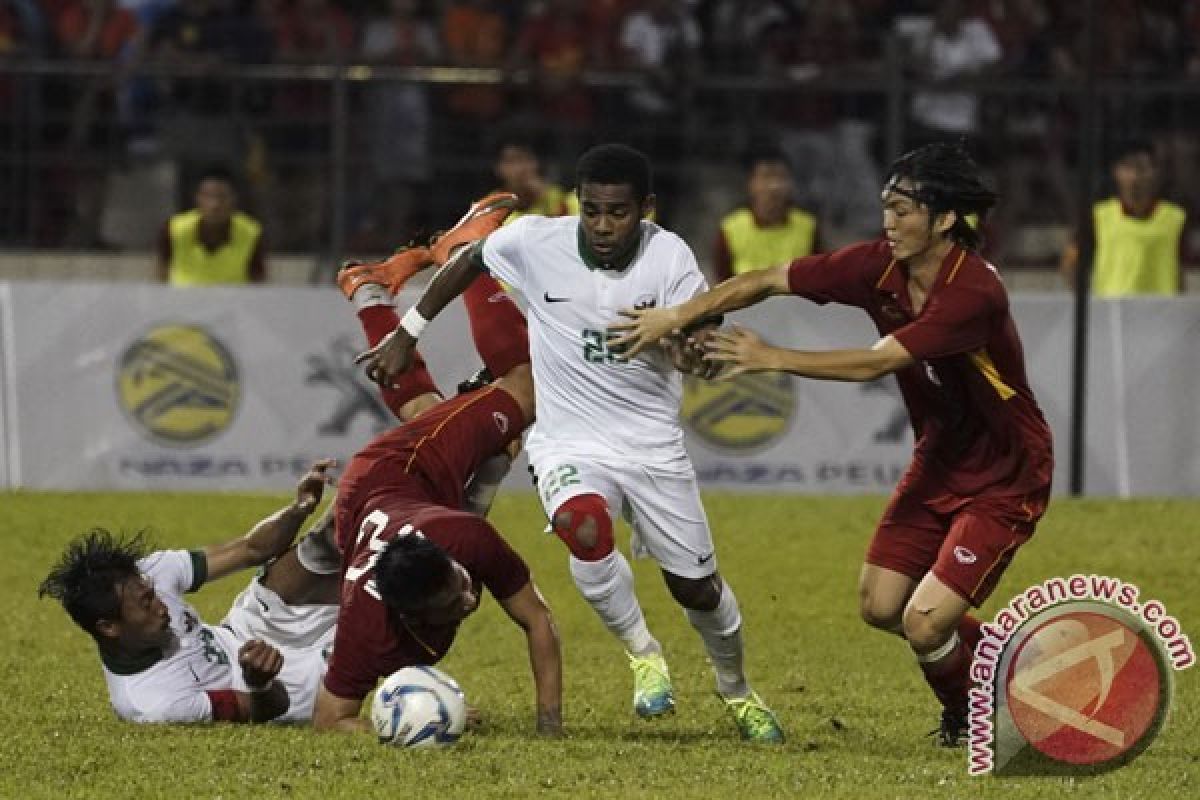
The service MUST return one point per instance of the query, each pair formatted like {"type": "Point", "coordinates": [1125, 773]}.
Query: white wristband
{"type": "Point", "coordinates": [413, 322]}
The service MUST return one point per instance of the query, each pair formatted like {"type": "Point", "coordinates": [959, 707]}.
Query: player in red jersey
{"type": "Point", "coordinates": [414, 562]}
{"type": "Point", "coordinates": [980, 475]}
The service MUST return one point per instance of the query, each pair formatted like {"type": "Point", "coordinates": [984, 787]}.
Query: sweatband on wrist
{"type": "Point", "coordinates": [413, 322]}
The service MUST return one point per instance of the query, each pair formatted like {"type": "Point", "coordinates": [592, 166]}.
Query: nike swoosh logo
{"type": "Point", "coordinates": [546, 296]}
{"type": "Point", "coordinates": [704, 559]}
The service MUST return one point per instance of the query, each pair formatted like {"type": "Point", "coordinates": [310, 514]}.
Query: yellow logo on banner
{"type": "Point", "coordinates": [179, 385]}
{"type": "Point", "coordinates": [750, 411]}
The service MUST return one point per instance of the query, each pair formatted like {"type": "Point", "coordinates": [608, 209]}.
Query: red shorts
{"type": "Point", "coordinates": [967, 549]}
{"type": "Point", "coordinates": [431, 457]}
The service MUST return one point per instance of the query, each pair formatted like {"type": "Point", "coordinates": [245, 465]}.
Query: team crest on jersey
{"type": "Point", "coordinates": [747, 413]}
{"type": "Point", "coordinates": [501, 421]}
{"type": "Point", "coordinates": [178, 385]}
{"type": "Point", "coordinates": [645, 301]}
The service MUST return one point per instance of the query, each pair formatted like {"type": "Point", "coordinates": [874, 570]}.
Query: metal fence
{"type": "Point", "coordinates": [346, 158]}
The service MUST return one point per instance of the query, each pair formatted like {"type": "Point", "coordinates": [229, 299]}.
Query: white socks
{"type": "Point", "coordinates": [721, 630]}
{"type": "Point", "coordinates": [481, 488]}
{"type": "Point", "coordinates": [607, 585]}
{"type": "Point", "coordinates": [371, 294]}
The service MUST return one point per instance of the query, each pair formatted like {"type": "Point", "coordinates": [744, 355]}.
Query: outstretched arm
{"type": "Point", "coordinates": [528, 609]}
{"type": "Point", "coordinates": [333, 713]}
{"type": "Point", "coordinates": [394, 353]}
{"type": "Point", "coordinates": [274, 534]}
{"type": "Point", "coordinates": [648, 326]}
{"type": "Point", "coordinates": [742, 351]}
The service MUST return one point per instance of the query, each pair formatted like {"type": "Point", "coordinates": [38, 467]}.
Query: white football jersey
{"type": "Point", "coordinates": [586, 399]}
{"type": "Point", "coordinates": [201, 658]}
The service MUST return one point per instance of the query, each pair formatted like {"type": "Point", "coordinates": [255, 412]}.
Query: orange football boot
{"type": "Point", "coordinates": [484, 216]}
{"type": "Point", "coordinates": [392, 272]}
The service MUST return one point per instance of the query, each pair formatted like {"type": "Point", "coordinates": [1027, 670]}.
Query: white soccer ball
{"type": "Point", "coordinates": [419, 707]}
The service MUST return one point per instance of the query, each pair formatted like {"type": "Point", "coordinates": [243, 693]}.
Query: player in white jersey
{"type": "Point", "coordinates": [162, 663]}
{"type": "Point", "coordinates": [607, 439]}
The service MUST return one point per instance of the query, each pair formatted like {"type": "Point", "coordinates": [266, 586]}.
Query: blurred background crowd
{"type": "Point", "coordinates": [348, 126]}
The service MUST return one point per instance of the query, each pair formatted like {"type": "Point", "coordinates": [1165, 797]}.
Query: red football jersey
{"type": "Point", "coordinates": [371, 643]}
{"type": "Point", "coordinates": [978, 427]}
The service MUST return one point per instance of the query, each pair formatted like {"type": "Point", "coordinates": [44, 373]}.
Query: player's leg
{"type": "Point", "coordinates": [579, 500]}
{"type": "Point", "coordinates": [370, 288]}
{"type": "Point", "coordinates": [978, 548]}
{"type": "Point", "coordinates": [668, 519]}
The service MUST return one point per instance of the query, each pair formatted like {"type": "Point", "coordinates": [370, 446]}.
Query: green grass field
{"type": "Point", "coordinates": [851, 699]}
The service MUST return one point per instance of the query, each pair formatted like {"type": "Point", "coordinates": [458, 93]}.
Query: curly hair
{"type": "Point", "coordinates": [86, 577]}
{"type": "Point", "coordinates": [409, 571]}
{"type": "Point", "coordinates": [614, 164]}
{"type": "Point", "coordinates": [946, 178]}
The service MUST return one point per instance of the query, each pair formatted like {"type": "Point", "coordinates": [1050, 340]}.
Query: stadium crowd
{"type": "Point", "coordinates": [688, 81]}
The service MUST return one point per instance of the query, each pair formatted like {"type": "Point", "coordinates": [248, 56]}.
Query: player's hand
{"type": "Point", "coordinates": [737, 351]}
{"type": "Point", "coordinates": [646, 326]}
{"type": "Point", "coordinates": [687, 354]}
{"type": "Point", "coordinates": [312, 486]}
{"type": "Point", "coordinates": [549, 723]}
{"type": "Point", "coordinates": [391, 357]}
{"type": "Point", "coordinates": [260, 663]}
{"type": "Point", "coordinates": [474, 718]}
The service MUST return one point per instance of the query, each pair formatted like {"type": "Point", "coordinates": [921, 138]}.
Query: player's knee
{"type": "Point", "coordinates": [922, 630]}
{"type": "Point", "coordinates": [585, 526]}
{"type": "Point", "coordinates": [879, 615]}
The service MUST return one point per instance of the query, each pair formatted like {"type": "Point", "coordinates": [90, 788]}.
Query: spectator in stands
{"type": "Point", "coordinates": [475, 34]}
{"type": "Point", "coordinates": [198, 125]}
{"type": "Point", "coordinates": [96, 30]}
{"type": "Point", "coordinates": [213, 243]}
{"type": "Point", "coordinates": [953, 45]}
{"type": "Point", "coordinates": [1137, 233]}
{"type": "Point", "coordinates": [736, 29]}
{"type": "Point", "coordinates": [398, 126]}
{"type": "Point", "coordinates": [660, 41]}
{"type": "Point", "coordinates": [556, 44]}
{"type": "Point", "coordinates": [518, 167]}
{"type": "Point", "coordinates": [769, 230]}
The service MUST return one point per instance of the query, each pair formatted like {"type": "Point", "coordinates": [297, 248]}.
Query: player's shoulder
{"type": "Point", "coordinates": [976, 275]}
{"type": "Point", "coordinates": [168, 568]}
{"type": "Point", "coordinates": [660, 242]}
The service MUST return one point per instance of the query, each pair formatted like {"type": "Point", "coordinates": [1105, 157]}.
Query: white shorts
{"type": "Point", "coordinates": [660, 503]}
{"type": "Point", "coordinates": [303, 634]}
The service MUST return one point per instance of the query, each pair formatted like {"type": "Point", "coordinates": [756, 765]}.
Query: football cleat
{"type": "Point", "coordinates": [952, 732]}
{"type": "Point", "coordinates": [652, 692]}
{"type": "Point", "coordinates": [484, 216]}
{"type": "Point", "coordinates": [476, 382]}
{"type": "Point", "coordinates": [392, 272]}
{"type": "Point", "coordinates": [755, 722]}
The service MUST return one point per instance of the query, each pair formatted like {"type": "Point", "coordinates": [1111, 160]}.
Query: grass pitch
{"type": "Point", "coordinates": [851, 699]}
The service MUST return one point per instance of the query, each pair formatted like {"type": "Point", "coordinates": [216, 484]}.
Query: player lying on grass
{"type": "Point", "coordinates": [162, 663]}
{"type": "Point", "coordinates": [415, 559]}
{"type": "Point", "coordinates": [980, 476]}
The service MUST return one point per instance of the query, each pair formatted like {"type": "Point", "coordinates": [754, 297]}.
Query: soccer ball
{"type": "Point", "coordinates": [419, 707]}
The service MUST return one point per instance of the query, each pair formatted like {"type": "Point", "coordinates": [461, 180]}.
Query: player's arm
{"type": "Point", "coordinates": [648, 326]}
{"type": "Point", "coordinates": [267, 698]}
{"type": "Point", "coordinates": [741, 350]}
{"type": "Point", "coordinates": [529, 611]}
{"type": "Point", "coordinates": [334, 713]}
{"type": "Point", "coordinates": [394, 353]}
{"type": "Point", "coordinates": [272, 535]}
